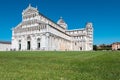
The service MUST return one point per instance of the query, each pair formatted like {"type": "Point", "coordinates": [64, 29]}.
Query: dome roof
{"type": "Point", "coordinates": [62, 23]}
{"type": "Point", "coordinates": [89, 25]}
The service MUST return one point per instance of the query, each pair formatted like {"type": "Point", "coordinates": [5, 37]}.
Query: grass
{"type": "Point", "coordinates": [60, 65]}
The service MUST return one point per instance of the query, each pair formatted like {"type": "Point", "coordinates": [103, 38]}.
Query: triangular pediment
{"type": "Point", "coordinates": [30, 10]}
{"type": "Point", "coordinates": [19, 26]}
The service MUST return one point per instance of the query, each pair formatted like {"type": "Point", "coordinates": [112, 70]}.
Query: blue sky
{"type": "Point", "coordinates": [104, 14]}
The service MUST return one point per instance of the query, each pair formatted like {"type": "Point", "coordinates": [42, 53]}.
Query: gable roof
{"type": "Point", "coordinates": [30, 9]}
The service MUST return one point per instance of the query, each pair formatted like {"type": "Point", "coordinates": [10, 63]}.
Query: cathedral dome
{"type": "Point", "coordinates": [62, 23]}
{"type": "Point", "coordinates": [89, 25]}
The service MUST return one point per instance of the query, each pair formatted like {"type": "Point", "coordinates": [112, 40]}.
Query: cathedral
{"type": "Point", "coordinates": [36, 32]}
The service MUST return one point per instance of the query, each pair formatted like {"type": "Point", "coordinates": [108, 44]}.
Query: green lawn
{"type": "Point", "coordinates": [60, 65]}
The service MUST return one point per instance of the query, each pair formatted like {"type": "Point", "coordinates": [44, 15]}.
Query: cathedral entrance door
{"type": "Point", "coordinates": [80, 48]}
{"type": "Point", "coordinates": [19, 46]}
{"type": "Point", "coordinates": [38, 43]}
{"type": "Point", "coordinates": [38, 46]}
{"type": "Point", "coordinates": [28, 45]}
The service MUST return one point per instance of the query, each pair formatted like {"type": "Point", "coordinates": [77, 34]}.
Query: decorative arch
{"type": "Point", "coordinates": [28, 38]}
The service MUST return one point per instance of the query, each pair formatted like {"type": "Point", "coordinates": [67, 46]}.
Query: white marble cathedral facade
{"type": "Point", "coordinates": [37, 32]}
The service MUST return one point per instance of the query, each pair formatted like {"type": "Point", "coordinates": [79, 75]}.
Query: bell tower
{"type": "Point", "coordinates": [89, 30]}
